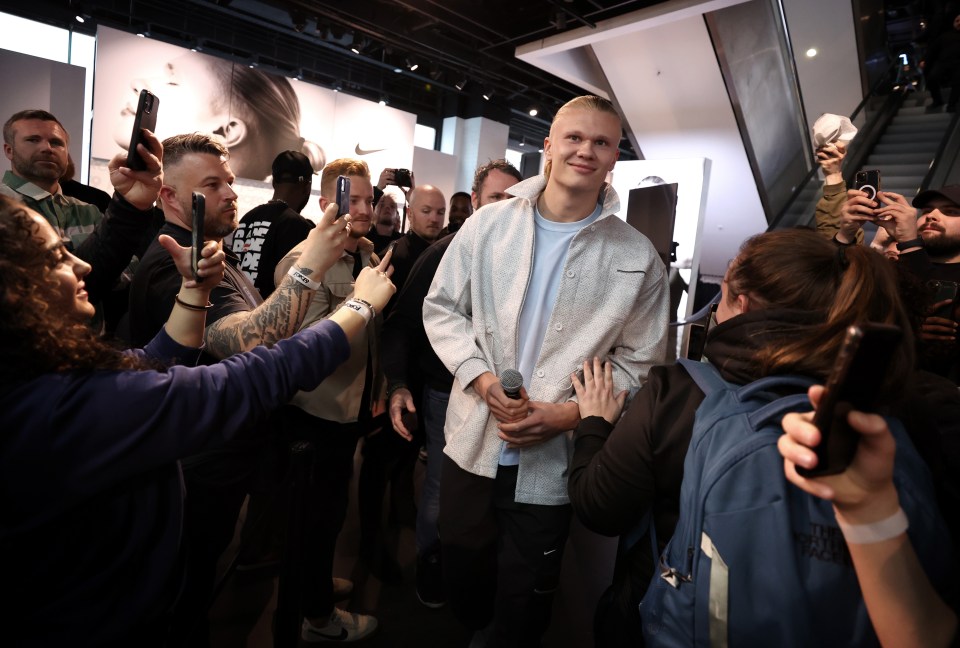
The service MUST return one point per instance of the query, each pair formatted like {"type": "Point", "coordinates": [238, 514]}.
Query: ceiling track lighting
{"type": "Point", "coordinates": [461, 84]}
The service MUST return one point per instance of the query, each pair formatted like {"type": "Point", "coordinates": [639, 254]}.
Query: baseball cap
{"type": "Point", "coordinates": [950, 192]}
{"type": "Point", "coordinates": [292, 166]}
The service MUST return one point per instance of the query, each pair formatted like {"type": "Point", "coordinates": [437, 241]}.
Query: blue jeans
{"type": "Point", "coordinates": [434, 415]}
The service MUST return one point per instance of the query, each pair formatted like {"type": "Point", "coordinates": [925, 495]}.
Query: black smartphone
{"type": "Point", "coordinates": [146, 117]}
{"type": "Point", "coordinates": [401, 177]}
{"type": "Point", "coordinates": [854, 382]}
{"type": "Point", "coordinates": [868, 181]}
{"type": "Point", "coordinates": [199, 211]}
{"type": "Point", "coordinates": [942, 291]}
{"type": "Point", "coordinates": [343, 195]}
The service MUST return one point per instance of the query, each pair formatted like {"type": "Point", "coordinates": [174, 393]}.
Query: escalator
{"type": "Point", "coordinates": [908, 146]}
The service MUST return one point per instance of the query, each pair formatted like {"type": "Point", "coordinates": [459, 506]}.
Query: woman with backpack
{"type": "Point", "coordinates": [787, 300]}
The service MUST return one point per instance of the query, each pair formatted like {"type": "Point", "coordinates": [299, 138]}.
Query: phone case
{"type": "Point", "coordinates": [198, 213]}
{"type": "Point", "coordinates": [856, 378]}
{"type": "Point", "coordinates": [343, 195]}
{"type": "Point", "coordinates": [146, 117]}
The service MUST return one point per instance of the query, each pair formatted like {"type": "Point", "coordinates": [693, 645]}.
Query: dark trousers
{"type": "Point", "coordinates": [941, 75]}
{"type": "Point", "coordinates": [327, 492]}
{"type": "Point", "coordinates": [210, 518]}
{"type": "Point", "coordinates": [501, 559]}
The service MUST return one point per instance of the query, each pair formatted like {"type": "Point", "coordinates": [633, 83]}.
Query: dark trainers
{"type": "Point", "coordinates": [429, 581]}
{"type": "Point", "coordinates": [342, 589]}
{"type": "Point", "coordinates": [342, 627]}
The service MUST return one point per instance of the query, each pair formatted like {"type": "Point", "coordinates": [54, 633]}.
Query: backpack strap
{"type": "Point", "coordinates": [706, 376]}
{"type": "Point", "coordinates": [775, 410]}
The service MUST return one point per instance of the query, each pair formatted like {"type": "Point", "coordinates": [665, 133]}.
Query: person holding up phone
{"type": "Point", "coordinates": [238, 320]}
{"type": "Point", "coordinates": [91, 480]}
{"type": "Point", "coordinates": [36, 144]}
{"type": "Point", "coordinates": [787, 299]}
{"type": "Point", "coordinates": [904, 607]}
{"type": "Point", "coordinates": [927, 232]}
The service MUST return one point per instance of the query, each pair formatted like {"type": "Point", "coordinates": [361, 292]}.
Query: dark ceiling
{"type": "Point", "coordinates": [463, 49]}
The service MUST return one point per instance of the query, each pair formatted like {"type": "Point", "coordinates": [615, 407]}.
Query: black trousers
{"type": "Point", "coordinates": [501, 559]}
{"type": "Point", "coordinates": [327, 491]}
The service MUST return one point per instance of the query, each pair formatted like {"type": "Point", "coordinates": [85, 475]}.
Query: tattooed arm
{"type": "Point", "coordinates": [277, 318]}
{"type": "Point", "coordinates": [282, 313]}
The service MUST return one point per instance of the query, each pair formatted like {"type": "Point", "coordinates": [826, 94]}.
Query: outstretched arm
{"type": "Point", "coordinates": [281, 314]}
{"type": "Point", "coordinates": [903, 606]}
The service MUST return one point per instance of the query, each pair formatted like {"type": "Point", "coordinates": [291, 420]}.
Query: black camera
{"type": "Point", "coordinates": [401, 177]}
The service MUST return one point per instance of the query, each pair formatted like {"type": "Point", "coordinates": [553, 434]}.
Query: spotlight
{"type": "Point", "coordinates": [383, 100]}
{"type": "Point", "coordinates": [412, 65]}
{"type": "Point", "coordinates": [811, 52]}
{"type": "Point", "coordinates": [397, 70]}
{"type": "Point", "coordinates": [80, 19]}
{"type": "Point", "coordinates": [523, 141]}
{"type": "Point", "coordinates": [487, 92]}
{"type": "Point", "coordinates": [533, 111]}
{"type": "Point", "coordinates": [357, 45]}
{"type": "Point", "coordinates": [461, 84]}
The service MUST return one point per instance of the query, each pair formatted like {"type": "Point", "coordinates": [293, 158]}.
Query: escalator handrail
{"type": "Point", "coordinates": [813, 171]}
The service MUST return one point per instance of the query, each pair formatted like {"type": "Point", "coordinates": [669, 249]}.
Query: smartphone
{"type": "Point", "coordinates": [941, 291]}
{"type": "Point", "coordinates": [199, 210]}
{"type": "Point", "coordinates": [146, 117]}
{"type": "Point", "coordinates": [401, 177]}
{"type": "Point", "coordinates": [854, 382]}
{"type": "Point", "coordinates": [343, 195]}
{"type": "Point", "coordinates": [868, 181]}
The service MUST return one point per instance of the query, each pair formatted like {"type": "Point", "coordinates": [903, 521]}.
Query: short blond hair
{"type": "Point", "coordinates": [341, 167]}
{"type": "Point", "coordinates": [584, 102]}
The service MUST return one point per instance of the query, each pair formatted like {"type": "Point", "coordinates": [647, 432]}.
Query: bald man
{"type": "Point", "coordinates": [426, 214]}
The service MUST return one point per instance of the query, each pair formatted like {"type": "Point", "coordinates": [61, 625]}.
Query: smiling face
{"type": "Point", "coordinates": [582, 149]}
{"type": "Point", "coordinates": [361, 206]}
{"type": "Point", "coordinates": [38, 152]}
{"type": "Point", "coordinates": [67, 271]}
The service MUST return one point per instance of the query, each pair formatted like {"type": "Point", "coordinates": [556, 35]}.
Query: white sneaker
{"type": "Point", "coordinates": [343, 627]}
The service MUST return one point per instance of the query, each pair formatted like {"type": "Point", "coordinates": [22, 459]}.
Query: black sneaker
{"type": "Point", "coordinates": [429, 581]}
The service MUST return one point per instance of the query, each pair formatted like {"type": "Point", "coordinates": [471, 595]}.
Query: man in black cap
{"type": "Point", "coordinates": [928, 239]}
{"type": "Point", "coordinates": [266, 233]}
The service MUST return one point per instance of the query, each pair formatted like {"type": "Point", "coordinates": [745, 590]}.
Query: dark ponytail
{"type": "Point", "coordinates": [799, 270]}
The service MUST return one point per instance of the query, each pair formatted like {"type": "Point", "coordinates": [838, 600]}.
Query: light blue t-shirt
{"type": "Point", "coordinates": [551, 242]}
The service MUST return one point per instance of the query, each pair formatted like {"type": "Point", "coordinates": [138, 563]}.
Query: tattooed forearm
{"type": "Point", "coordinates": [277, 318]}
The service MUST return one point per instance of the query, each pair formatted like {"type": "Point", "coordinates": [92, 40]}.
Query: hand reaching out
{"type": "Point", "coordinates": [595, 393]}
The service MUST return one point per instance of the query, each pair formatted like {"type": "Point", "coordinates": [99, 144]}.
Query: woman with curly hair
{"type": "Point", "coordinates": [89, 477]}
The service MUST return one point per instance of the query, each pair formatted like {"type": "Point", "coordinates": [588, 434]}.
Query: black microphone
{"type": "Point", "coordinates": [511, 380]}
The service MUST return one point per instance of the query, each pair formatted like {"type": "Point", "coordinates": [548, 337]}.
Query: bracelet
{"type": "Point", "coordinates": [367, 304]}
{"type": "Point", "coordinates": [303, 279]}
{"type": "Point", "coordinates": [877, 531]}
{"type": "Point", "coordinates": [912, 243]}
{"type": "Point", "coordinates": [192, 307]}
{"type": "Point", "coordinates": [360, 308]}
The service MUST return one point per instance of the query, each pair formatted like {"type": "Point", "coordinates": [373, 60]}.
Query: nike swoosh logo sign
{"type": "Point", "coordinates": [361, 151]}
{"type": "Point", "coordinates": [547, 553]}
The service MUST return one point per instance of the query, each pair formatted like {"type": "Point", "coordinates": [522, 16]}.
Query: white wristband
{"type": "Point", "coordinates": [303, 279]}
{"type": "Point", "coordinates": [360, 308]}
{"type": "Point", "coordinates": [877, 531]}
